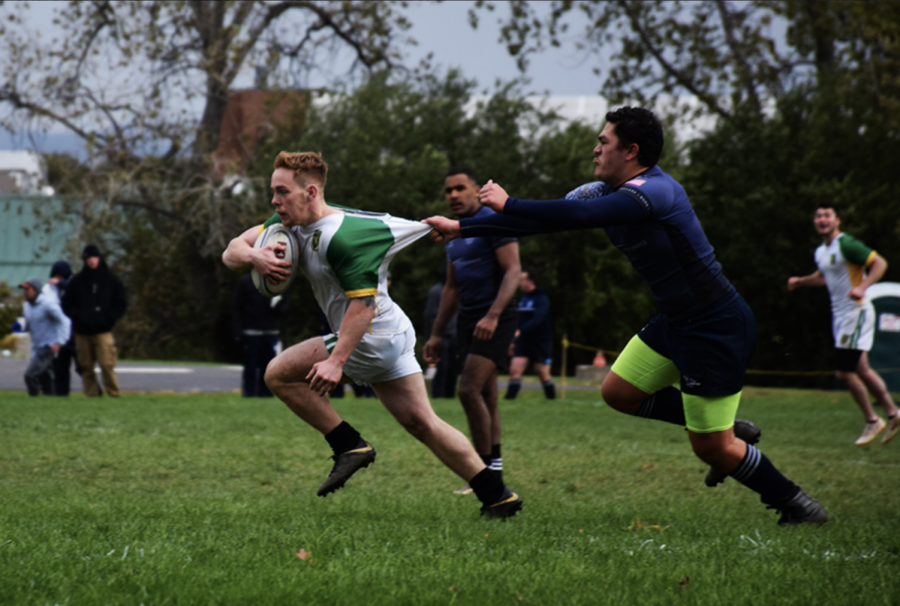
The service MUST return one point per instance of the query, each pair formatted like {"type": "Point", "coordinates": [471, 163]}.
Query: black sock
{"type": "Point", "coordinates": [512, 389]}
{"type": "Point", "coordinates": [665, 405]}
{"type": "Point", "coordinates": [757, 473]}
{"type": "Point", "coordinates": [343, 438]}
{"type": "Point", "coordinates": [496, 464]}
{"type": "Point", "coordinates": [487, 486]}
{"type": "Point", "coordinates": [486, 459]}
{"type": "Point", "coordinates": [549, 389]}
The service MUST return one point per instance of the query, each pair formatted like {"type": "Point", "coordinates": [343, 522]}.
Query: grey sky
{"type": "Point", "coordinates": [439, 28]}
{"type": "Point", "coordinates": [444, 30]}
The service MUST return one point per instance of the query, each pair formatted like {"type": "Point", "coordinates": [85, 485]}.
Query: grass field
{"type": "Point", "coordinates": [210, 499]}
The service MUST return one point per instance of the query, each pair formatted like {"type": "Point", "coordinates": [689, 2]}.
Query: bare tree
{"type": "Point", "coordinates": [145, 86]}
{"type": "Point", "coordinates": [734, 57]}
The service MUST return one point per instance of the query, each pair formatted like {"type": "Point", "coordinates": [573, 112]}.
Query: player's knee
{"type": "Point", "coordinates": [468, 394]}
{"type": "Point", "coordinates": [847, 378]}
{"type": "Point", "coordinates": [708, 452]}
{"type": "Point", "coordinates": [617, 398]}
{"type": "Point", "coordinates": [274, 376]}
{"type": "Point", "coordinates": [417, 425]}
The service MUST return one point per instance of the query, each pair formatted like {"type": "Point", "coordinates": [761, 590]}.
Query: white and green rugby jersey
{"type": "Point", "coordinates": [346, 256]}
{"type": "Point", "coordinates": [843, 262]}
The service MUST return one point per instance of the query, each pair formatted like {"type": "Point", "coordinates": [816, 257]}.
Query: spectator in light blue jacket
{"type": "Point", "coordinates": [49, 328]}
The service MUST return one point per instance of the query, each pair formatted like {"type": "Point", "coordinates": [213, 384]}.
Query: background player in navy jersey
{"type": "Point", "coordinates": [534, 337]}
{"type": "Point", "coordinates": [482, 278]}
{"type": "Point", "coordinates": [704, 334]}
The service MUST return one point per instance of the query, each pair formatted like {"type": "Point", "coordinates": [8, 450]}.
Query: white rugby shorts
{"type": "Point", "coordinates": [855, 329]}
{"type": "Point", "coordinates": [380, 357]}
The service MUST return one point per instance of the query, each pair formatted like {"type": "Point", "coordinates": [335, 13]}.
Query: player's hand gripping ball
{"type": "Point", "coordinates": [291, 253]}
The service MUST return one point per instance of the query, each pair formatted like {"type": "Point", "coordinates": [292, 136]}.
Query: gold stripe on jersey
{"type": "Point", "coordinates": [362, 292]}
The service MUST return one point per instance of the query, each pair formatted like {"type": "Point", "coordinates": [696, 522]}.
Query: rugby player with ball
{"type": "Point", "coordinates": [345, 255]}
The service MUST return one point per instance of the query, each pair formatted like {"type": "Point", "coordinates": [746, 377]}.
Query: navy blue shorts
{"type": "Point", "coordinates": [537, 351]}
{"type": "Point", "coordinates": [497, 349]}
{"type": "Point", "coordinates": [710, 350]}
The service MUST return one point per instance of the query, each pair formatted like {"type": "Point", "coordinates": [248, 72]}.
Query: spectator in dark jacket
{"type": "Point", "coordinates": [95, 300]}
{"type": "Point", "coordinates": [255, 319]}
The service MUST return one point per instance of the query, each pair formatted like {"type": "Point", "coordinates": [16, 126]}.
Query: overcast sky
{"type": "Point", "coordinates": [441, 29]}
{"type": "Point", "coordinates": [444, 30]}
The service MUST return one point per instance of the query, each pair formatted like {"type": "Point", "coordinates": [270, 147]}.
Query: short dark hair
{"type": "Point", "coordinates": [462, 170]}
{"type": "Point", "coordinates": [532, 273]}
{"type": "Point", "coordinates": [640, 126]}
{"type": "Point", "coordinates": [837, 213]}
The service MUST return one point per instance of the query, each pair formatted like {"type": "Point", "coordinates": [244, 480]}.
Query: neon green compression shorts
{"type": "Point", "coordinates": [648, 371]}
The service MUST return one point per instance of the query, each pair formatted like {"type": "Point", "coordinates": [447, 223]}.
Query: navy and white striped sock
{"type": "Point", "coordinates": [665, 405]}
{"type": "Point", "coordinates": [757, 473]}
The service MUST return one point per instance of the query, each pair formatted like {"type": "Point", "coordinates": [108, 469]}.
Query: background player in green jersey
{"type": "Point", "coordinates": [848, 267]}
{"type": "Point", "coordinates": [345, 257]}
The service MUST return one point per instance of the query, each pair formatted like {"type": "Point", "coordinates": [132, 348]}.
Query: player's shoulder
{"type": "Point", "coordinates": [855, 250]}
{"type": "Point", "coordinates": [657, 190]}
{"type": "Point", "coordinates": [588, 191]}
{"type": "Point", "coordinates": [844, 239]}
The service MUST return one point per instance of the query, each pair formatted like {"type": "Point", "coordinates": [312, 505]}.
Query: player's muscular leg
{"type": "Point", "coordinates": [489, 395]}
{"type": "Point", "coordinates": [286, 377]}
{"type": "Point", "coordinates": [721, 449]}
{"type": "Point", "coordinates": [407, 400]}
{"type": "Point", "coordinates": [875, 384]}
{"type": "Point", "coordinates": [622, 395]}
{"type": "Point", "coordinates": [517, 368]}
{"type": "Point", "coordinates": [860, 394]}
{"type": "Point", "coordinates": [477, 370]}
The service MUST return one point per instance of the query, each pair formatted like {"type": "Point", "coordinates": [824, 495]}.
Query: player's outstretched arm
{"type": "Point", "coordinates": [814, 279]}
{"type": "Point", "coordinates": [526, 217]}
{"type": "Point", "coordinates": [325, 375]}
{"type": "Point", "coordinates": [444, 229]}
{"type": "Point", "coordinates": [241, 254]}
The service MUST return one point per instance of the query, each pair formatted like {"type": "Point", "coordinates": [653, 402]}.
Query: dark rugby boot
{"type": "Point", "coordinates": [345, 465]}
{"type": "Point", "coordinates": [801, 509]}
{"type": "Point", "coordinates": [505, 507]}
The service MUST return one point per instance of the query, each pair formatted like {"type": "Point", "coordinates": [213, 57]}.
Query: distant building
{"type": "Point", "coordinates": [23, 172]}
{"type": "Point", "coordinates": [249, 116]}
{"type": "Point", "coordinates": [33, 235]}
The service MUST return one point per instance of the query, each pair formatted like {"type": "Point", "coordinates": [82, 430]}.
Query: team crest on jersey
{"type": "Point", "coordinates": [316, 236]}
{"type": "Point", "coordinates": [833, 259]}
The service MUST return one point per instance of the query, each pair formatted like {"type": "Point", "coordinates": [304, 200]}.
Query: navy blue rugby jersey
{"type": "Point", "coordinates": [475, 267]}
{"type": "Point", "coordinates": [534, 317]}
{"type": "Point", "coordinates": [649, 218]}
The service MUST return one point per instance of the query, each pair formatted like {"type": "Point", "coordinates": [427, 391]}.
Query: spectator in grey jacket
{"type": "Point", "coordinates": [62, 363]}
{"type": "Point", "coordinates": [49, 328]}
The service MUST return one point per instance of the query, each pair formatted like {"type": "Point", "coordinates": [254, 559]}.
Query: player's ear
{"type": "Point", "coordinates": [312, 191]}
{"type": "Point", "coordinates": [633, 151]}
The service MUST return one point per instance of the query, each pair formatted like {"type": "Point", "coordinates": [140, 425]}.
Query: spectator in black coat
{"type": "Point", "coordinates": [95, 300]}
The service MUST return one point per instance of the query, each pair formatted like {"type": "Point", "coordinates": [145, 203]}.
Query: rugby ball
{"type": "Point", "coordinates": [277, 233]}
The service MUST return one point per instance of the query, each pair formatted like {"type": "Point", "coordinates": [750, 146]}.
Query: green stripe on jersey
{"type": "Point", "coordinates": [273, 220]}
{"type": "Point", "coordinates": [854, 251]}
{"type": "Point", "coordinates": [356, 251]}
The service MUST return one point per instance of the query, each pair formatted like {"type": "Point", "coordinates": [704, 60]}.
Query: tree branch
{"type": "Point", "coordinates": [741, 65]}
{"type": "Point", "coordinates": [707, 99]}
